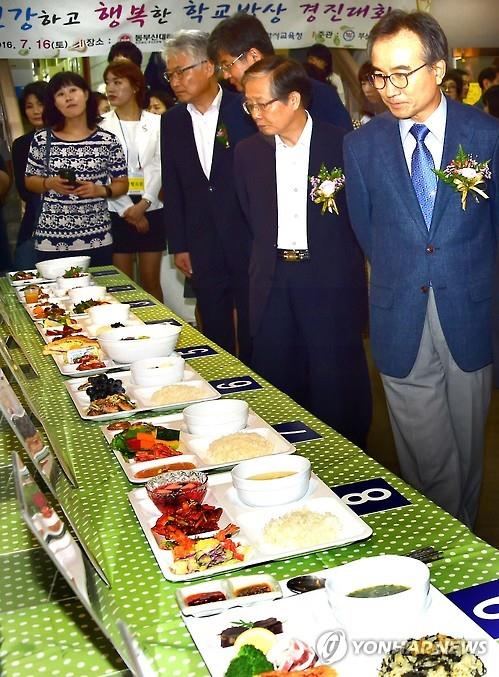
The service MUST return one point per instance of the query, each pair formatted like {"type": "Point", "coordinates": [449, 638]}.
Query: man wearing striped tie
{"type": "Point", "coordinates": [432, 250]}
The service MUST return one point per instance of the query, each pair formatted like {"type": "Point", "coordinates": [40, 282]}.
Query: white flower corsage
{"type": "Point", "coordinates": [325, 187]}
{"type": "Point", "coordinates": [465, 174]}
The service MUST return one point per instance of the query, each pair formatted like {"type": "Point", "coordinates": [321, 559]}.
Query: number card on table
{"type": "Point", "coordinates": [120, 287]}
{"type": "Point", "coordinates": [235, 384]}
{"type": "Point", "coordinates": [368, 496]}
{"type": "Point", "coordinates": [191, 352]}
{"type": "Point", "coordinates": [481, 604]}
{"type": "Point", "coordinates": [296, 432]}
{"type": "Point", "coordinates": [165, 320]}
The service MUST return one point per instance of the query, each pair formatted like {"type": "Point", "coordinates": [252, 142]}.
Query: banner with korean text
{"type": "Point", "coordinates": [51, 28]}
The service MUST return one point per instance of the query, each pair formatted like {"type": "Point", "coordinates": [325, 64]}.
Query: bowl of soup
{"type": "Point", "coordinates": [271, 480]}
{"type": "Point", "coordinates": [377, 594]}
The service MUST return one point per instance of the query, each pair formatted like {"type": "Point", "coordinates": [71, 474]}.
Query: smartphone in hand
{"type": "Point", "coordinates": [69, 175]}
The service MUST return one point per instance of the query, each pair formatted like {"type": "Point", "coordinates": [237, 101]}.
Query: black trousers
{"type": "Point", "coordinates": [309, 345]}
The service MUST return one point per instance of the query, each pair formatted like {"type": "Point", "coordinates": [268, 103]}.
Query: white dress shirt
{"type": "Point", "coordinates": [204, 126]}
{"type": "Point", "coordinates": [434, 140]}
{"type": "Point", "coordinates": [291, 165]}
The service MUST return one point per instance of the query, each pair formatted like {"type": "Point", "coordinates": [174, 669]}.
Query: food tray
{"type": "Point", "coordinates": [309, 617]}
{"type": "Point", "coordinates": [55, 300]}
{"type": "Point", "coordinates": [139, 394]}
{"type": "Point", "coordinates": [192, 446]}
{"type": "Point", "coordinates": [35, 280]}
{"type": "Point", "coordinates": [48, 288]}
{"type": "Point", "coordinates": [87, 328]}
{"type": "Point", "coordinates": [221, 493]}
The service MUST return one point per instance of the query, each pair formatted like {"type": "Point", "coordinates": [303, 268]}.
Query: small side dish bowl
{"type": "Point", "coordinates": [109, 314]}
{"type": "Point", "coordinates": [172, 488]}
{"type": "Point", "coordinates": [66, 283]}
{"type": "Point", "coordinates": [219, 417]}
{"type": "Point", "coordinates": [93, 291]}
{"type": "Point", "coordinates": [271, 480]}
{"type": "Point", "coordinates": [50, 269]}
{"type": "Point", "coordinates": [158, 371]}
{"type": "Point", "coordinates": [130, 344]}
{"type": "Point", "coordinates": [376, 594]}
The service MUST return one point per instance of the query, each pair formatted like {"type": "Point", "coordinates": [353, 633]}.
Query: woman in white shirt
{"type": "Point", "coordinates": [137, 218]}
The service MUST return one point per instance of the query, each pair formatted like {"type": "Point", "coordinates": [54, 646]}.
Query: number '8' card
{"type": "Point", "coordinates": [368, 496]}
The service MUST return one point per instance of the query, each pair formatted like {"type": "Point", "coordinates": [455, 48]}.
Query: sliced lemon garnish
{"type": "Point", "coordinates": [261, 638]}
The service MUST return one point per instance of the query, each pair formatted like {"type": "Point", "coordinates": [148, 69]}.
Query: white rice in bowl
{"type": "Point", "coordinates": [301, 529]}
{"type": "Point", "coordinates": [178, 393]}
{"type": "Point", "coordinates": [238, 446]}
{"type": "Point", "coordinates": [432, 656]}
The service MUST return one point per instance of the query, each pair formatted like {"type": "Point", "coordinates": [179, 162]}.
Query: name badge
{"type": "Point", "coordinates": [135, 185]}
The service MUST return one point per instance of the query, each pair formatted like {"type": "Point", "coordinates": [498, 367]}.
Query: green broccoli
{"type": "Point", "coordinates": [249, 662]}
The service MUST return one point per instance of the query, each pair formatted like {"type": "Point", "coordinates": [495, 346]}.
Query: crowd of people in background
{"type": "Point", "coordinates": [279, 273]}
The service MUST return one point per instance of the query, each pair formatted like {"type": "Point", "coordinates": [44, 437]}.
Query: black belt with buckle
{"type": "Point", "coordinates": [293, 254]}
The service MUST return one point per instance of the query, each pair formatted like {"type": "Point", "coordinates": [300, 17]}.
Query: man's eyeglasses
{"type": "Point", "coordinates": [398, 80]}
{"type": "Point", "coordinates": [252, 108]}
{"type": "Point", "coordinates": [180, 72]}
{"type": "Point", "coordinates": [226, 67]}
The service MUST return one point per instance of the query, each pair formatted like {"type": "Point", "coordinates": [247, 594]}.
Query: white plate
{"type": "Point", "coordinates": [87, 328]}
{"type": "Point", "coordinates": [35, 280]}
{"type": "Point", "coordinates": [353, 528]}
{"type": "Point", "coordinates": [189, 444]}
{"type": "Point", "coordinates": [138, 394]}
{"type": "Point", "coordinates": [309, 615]}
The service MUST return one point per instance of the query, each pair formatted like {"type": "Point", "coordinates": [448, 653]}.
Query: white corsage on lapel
{"type": "Point", "coordinates": [325, 187]}
{"type": "Point", "coordinates": [465, 174]}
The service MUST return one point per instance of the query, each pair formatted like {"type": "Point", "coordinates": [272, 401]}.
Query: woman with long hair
{"type": "Point", "coordinates": [31, 103]}
{"type": "Point", "coordinates": [76, 166]}
{"type": "Point", "coordinates": [137, 218]}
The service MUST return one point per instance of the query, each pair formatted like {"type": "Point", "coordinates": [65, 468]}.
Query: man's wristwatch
{"type": "Point", "coordinates": [109, 192]}
{"type": "Point", "coordinates": [149, 203]}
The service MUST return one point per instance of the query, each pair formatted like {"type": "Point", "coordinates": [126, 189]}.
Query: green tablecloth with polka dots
{"type": "Point", "coordinates": [44, 629]}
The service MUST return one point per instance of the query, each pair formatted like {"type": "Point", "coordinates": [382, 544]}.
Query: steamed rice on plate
{"type": "Point", "coordinates": [178, 393]}
{"type": "Point", "coordinates": [238, 446]}
{"type": "Point", "coordinates": [302, 528]}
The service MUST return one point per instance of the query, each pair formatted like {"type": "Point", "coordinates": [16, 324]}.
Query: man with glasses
{"type": "Point", "coordinates": [240, 40]}
{"type": "Point", "coordinates": [207, 234]}
{"type": "Point", "coordinates": [432, 258]}
{"type": "Point", "coordinates": [308, 300]}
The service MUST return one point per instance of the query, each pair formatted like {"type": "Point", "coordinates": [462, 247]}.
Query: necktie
{"type": "Point", "coordinates": [423, 178]}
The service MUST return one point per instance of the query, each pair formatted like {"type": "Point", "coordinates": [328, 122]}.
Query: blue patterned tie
{"type": "Point", "coordinates": [423, 178]}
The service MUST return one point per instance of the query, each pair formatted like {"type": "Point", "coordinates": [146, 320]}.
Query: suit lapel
{"type": "Point", "coordinates": [395, 165]}
{"type": "Point", "coordinates": [219, 149]}
{"type": "Point", "coordinates": [456, 132]}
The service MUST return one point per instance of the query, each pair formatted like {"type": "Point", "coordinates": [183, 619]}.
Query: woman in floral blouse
{"type": "Point", "coordinates": [82, 166]}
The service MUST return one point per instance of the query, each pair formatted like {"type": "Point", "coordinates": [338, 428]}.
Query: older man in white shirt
{"type": "Point", "coordinates": [308, 298]}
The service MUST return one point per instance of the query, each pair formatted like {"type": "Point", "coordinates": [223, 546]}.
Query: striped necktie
{"type": "Point", "coordinates": [423, 178]}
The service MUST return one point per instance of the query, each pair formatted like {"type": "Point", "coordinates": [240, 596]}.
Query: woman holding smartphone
{"type": "Point", "coordinates": [137, 218]}
{"type": "Point", "coordinates": [76, 166]}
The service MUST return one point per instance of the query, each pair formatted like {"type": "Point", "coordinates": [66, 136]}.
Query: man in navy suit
{"type": "Point", "coordinates": [308, 300]}
{"type": "Point", "coordinates": [240, 40]}
{"type": "Point", "coordinates": [432, 260]}
{"type": "Point", "coordinates": [206, 230]}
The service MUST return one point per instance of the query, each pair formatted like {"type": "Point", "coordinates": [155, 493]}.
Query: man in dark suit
{"type": "Point", "coordinates": [206, 230]}
{"type": "Point", "coordinates": [308, 300]}
{"type": "Point", "coordinates": [240, 40]}
{"type": "Point", "coordinates": [432, 260]}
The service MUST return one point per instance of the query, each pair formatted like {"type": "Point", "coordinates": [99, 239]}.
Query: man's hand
{"type": "Point", "coordinates": [183, 263]}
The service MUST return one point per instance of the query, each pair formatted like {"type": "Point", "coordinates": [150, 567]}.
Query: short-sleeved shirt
{"type": "Point", "coordinates": [67, 222]}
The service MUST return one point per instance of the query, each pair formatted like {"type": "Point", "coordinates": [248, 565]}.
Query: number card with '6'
{"type": "Point", "coordinates": [369, 496]}
{"type": "Point", "coordinates": [235, 384]}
